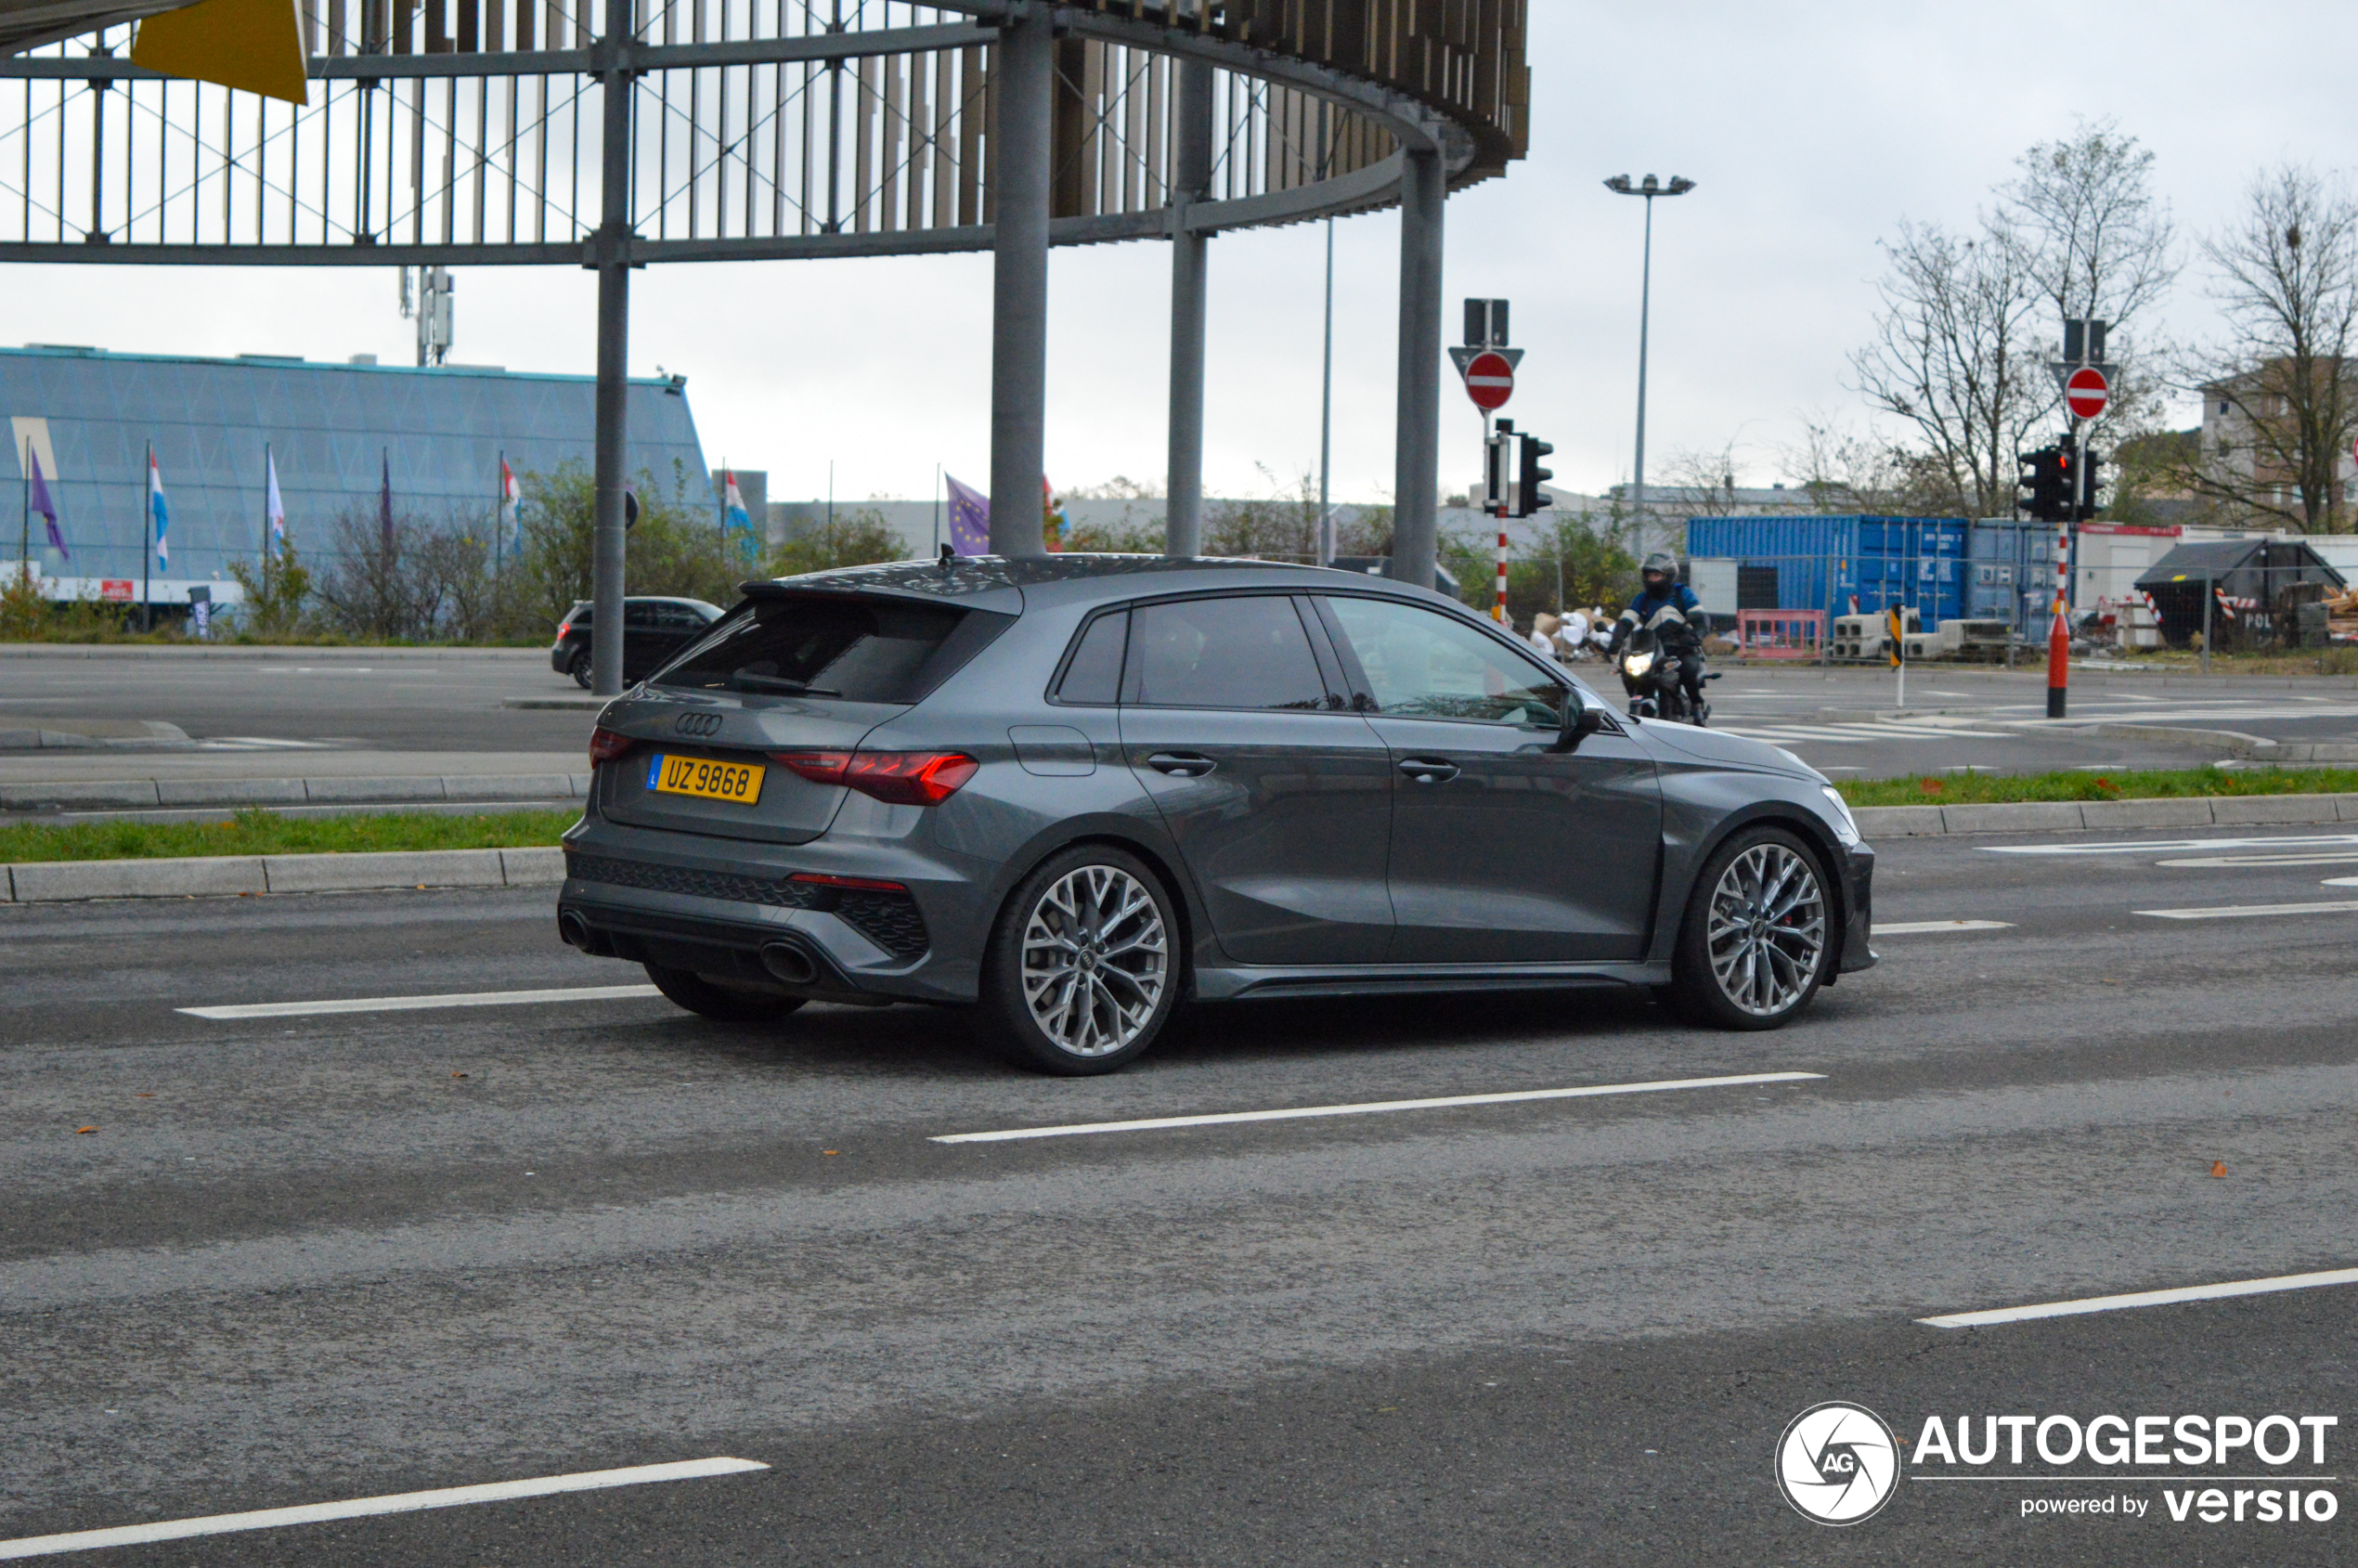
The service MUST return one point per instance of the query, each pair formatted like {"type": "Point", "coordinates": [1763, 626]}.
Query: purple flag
{"type": "Point", "coordinates": [43, 504]}
{"type": "Point", "coordinates": [969, 519]}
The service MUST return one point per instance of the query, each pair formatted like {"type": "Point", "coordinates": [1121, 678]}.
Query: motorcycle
{"type": "Point", "coordinates": [1648, 671]}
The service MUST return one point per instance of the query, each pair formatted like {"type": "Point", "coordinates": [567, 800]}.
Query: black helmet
{"type": "Point", "coordinates": [1662, 564]}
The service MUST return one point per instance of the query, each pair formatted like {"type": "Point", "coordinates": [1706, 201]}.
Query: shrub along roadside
{"type": "Point", "coordinates": [258, 832]}
{"type": "Point", "coordinates": [1995, 789]}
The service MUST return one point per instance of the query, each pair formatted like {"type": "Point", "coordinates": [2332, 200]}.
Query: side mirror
{"type": "Point", "coordinates": [1582, 719]}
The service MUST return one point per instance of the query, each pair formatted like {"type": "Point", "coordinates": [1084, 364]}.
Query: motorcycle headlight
{"type": "Point", "coordinates": [1640, 662]}
{"type": "Point", "coordinates": [1845, 825]}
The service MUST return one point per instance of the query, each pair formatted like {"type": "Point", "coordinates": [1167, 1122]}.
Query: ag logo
{"type": "Point", "coordinates": [1838, 1463]}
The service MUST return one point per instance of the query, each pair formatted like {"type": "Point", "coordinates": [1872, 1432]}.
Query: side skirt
{"type": "Point", "coordinates": [1372, 980]}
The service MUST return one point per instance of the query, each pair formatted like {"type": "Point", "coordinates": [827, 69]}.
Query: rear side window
{"type": "Point", "coordinates": [859, 650]}
{"type": "Point", "coordinates": [1248, 653]}
{"type": "Point", "coordinates": [1093, 676]}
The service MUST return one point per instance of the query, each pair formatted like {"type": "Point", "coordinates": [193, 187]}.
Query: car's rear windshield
{"type": "Point", "coordinates": [854, 650]}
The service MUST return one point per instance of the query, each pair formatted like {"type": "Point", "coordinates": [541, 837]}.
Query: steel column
{"type": "Point", "coordinates": [1424, 191]}
{"type": "Point", "coordinates": [613, 386]}
{"type": "Point", "coordinates": [1020, 175]}
{"type": "Point", "coordinates": [1190, 251]}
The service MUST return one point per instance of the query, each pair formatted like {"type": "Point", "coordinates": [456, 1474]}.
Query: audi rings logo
{"type": "Point", "coordinates": [1838, 1463]}
{"type": "Point", "coordinates": [697, 724]}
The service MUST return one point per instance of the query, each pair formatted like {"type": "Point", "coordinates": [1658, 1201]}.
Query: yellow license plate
{"type": "Point", "coordinates": [739, 783]}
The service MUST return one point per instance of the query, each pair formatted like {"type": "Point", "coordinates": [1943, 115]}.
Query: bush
{"type": "Point", "coordinates": [856, 539]}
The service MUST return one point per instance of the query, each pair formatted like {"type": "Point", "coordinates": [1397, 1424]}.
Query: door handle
{"type": "Point", "coordinates": [1430, 770]}
{"type": "Point", "coordinates": [1184, 764]}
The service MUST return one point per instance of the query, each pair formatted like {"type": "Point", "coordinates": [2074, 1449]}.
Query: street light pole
{"type": "Point", "coordinates": [1649, 188]}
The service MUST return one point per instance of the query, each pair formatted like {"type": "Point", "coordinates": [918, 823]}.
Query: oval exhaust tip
{"type": "Point", "coordinates": [789, 964]}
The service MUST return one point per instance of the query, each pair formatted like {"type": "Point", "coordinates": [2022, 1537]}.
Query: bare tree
{"type": "Point", "coordinates": [2281, 399]}
{"type": "Point", "coordinates": [1705, 479]}
{"type": "Point", "coordinates": [1953, 355]}
{"type": "Point", "coordinates": [2102, 246]}
{"type": "Point", "coordinates": [1841, 471]}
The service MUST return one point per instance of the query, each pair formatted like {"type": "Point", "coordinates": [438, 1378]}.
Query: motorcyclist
{"type": "Point", "coordinates": [1669, 609]}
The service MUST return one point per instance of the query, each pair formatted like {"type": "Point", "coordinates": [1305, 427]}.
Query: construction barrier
{"type": "Point", "coordinates": [1781, 634]}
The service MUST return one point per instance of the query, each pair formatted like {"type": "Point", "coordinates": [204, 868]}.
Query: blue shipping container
{"type": "Point", "coordinates": [2011, 572]}
{"type": "Point", "coordinates": [1826, 563]}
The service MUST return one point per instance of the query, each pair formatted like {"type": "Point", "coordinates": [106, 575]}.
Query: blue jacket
{"type": "Point", "coordinates": [1658, 610]}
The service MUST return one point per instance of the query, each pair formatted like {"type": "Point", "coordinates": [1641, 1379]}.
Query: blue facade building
{"type": "Point", "coordinates": [332, 429]}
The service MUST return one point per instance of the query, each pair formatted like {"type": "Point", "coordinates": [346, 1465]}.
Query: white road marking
{"type": "Point", "coordinates": [361, 1508]}
{"type": "Point", "coordinates": [2238, 912]}
{"type": "Point", "coordinates": [1371, 1107]}
{"type": "Point", "coordinates": [2159, 845]}
{"type": "Point", "coordinates": [1928, 928]}
{"type": "Point", "coordinates": [1854, 734]}
{"type": "Point", "coordinates": [2144, 1299]}
{"type": "Point", "coordinates": [418, 1004]}
{"type": "Point", "coordinates": [2265, 860]}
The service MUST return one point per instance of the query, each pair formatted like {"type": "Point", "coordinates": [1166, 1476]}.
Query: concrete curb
{"type": "Point", "coordinates": [586, 704]}
{"type": "Point", "coordinates": [2036, 816]}
{"type": "Point", "coordinates": [138, 793]}
{"type": "Point", "coordinates": [224, 875]}
{"type": "Point", "coordinates": [2258, 748]}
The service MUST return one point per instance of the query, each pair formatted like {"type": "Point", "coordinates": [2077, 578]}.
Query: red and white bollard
{"type": "Point", "coordinates": [1501, 611]}
{"type": "Point", "coordinates": [2059, 632]}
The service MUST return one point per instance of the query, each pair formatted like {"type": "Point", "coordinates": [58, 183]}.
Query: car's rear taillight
{"type": "Point", "coordinates": [606, 744]}
{"type": "Point", "coordinates": [898, 778]}
{"type": "Point", "coordinates": [849, 884]}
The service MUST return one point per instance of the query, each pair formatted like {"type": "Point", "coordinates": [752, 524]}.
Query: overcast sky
{"type": "Point", "coordinates": [1811, 129]}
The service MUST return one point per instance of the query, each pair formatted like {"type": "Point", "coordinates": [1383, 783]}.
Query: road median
{"type": "Point", "coordinates": [196, 877]}
{"type": "Point", "coordinates": [2074, 816]}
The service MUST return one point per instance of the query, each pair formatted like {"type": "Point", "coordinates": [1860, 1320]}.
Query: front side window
{"type": "Point", "coordinates": [1246, 653]}
{"type": "Point", "coordinates": [1423, 665]}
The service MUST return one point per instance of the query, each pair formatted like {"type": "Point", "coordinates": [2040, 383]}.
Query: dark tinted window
{"type": "Point", "coordinates": [1094, 674]}
{"type": "Point", "coordinates": [865, 651]}
{"type": "Point", "coordinates": [1225, 653]}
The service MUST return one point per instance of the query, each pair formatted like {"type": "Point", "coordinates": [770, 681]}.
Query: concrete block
{"type": "Point", "coordinates": [432, 868]}
{"type": "Point", "coordinates": [2346, 807]}
{"type": "Point", "coordinates": [1897, 822]}
{"type": "Point", "coordinates": [581, 782]}
{"type": "Point", "coordinates": [48, 881]}
{"type": "Point", "coordinates": [2146, 813]}
{"type": "Point", "coordinates": [130, 793]}
{"type": "Point", "coordinates": [507, 786]}
{"type": "Point", "coordinates": [2253, 810]}
{"type": "Point", "coordinates": [2027, 816]}
{"type": "Point", "coordinates": [229, 792]}
{"type": "Point", "coordinates": [533, 868]}
{"type": "Point", "coordinates": [372, 789]}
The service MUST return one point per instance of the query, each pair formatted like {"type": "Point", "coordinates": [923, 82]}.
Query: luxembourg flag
{"type": "Point", "coordinates": [161, 513]}
{"type": "Point", "coordinates": [732, 511]}
{"type": "Point", "coordinates": [511, 493]}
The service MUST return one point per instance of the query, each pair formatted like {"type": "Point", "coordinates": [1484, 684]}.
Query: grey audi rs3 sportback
{"type": "Point", "coordinates": [1073, 793]}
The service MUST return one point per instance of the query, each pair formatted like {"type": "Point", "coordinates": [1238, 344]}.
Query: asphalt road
{"type": "Point", "coordinates": [311, 1258]}
{"type": "Point", "coordinates": [286, 715]}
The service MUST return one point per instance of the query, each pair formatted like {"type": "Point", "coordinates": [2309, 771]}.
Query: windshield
{"type": "Point", "coordinates": [857, 650]}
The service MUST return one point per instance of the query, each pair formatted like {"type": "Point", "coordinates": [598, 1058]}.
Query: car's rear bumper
{"type": "Point", "coordinates": [560, 659]}
{"type": "Point", "coordinates": [732, 911]}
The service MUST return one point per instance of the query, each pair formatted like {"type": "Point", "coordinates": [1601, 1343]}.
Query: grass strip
{"type": "Point", "coordinates": [259, 832]}
{"type": "Point", "coordinates": [2127, 784]}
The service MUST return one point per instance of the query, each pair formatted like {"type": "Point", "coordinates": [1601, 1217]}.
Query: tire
{"type": "Point", "coordinates": [725, 1003]}
{"type": "Point", "coordinates": [579, 669]}
{"type": "Point", "coordinates": [1082, 972]}
{"type": "Point", "coordinates": [1740, 964]}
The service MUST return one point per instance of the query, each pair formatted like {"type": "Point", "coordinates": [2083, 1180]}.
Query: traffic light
{"type": "Point", "coordinates": [1527, 497]}
{"type": "Point", "coordinates": [2066, 472]}
{"type": "Point", "coordinates": [2093, 464]}
{"type": "Point", "coordinates": [2047, 480]}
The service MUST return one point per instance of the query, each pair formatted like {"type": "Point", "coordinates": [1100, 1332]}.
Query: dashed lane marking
{"type": "Point", "coordinates": [418, 1004]}
{"type": "Point", "coordinates": [2239, 911]}
{"type": "Point", "coordinates": [1372, 1107]}
{"type": "Point", "coordinates": [361, 1508]}
{"type": "Point", "coordinates": [2144, 1299]}
{"type": "Point", "coordinates": [1931, 927]}
{"type": "Point", "coordinates": [2176, 845]}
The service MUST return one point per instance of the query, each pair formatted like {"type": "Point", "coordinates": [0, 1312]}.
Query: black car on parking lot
{"type": "Point", "coordinates": [653, 630]}
{"type": "Point", "coordinates": [1073, 793]}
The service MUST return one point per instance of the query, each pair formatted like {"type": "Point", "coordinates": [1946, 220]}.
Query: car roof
{"type": "Point", "coordinates": [1012, 583]}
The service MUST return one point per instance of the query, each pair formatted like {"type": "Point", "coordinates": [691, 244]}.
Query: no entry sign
{"type": "Point", "coordinates": [1490, 380]}
{"type": "Point", "coordinates": [2086, 393]}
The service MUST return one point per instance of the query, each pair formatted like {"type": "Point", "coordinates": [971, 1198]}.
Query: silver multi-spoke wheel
{"type": "Point", "coordinates": [1766, 935]}
{"type": "Point", "coordinates": [1095, 959]}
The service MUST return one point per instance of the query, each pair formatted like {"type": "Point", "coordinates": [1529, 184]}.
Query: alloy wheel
{"type": "Point", "coordinates": [1766, 936]}
{"type": "Point", "coordinates": [1095, 959]}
